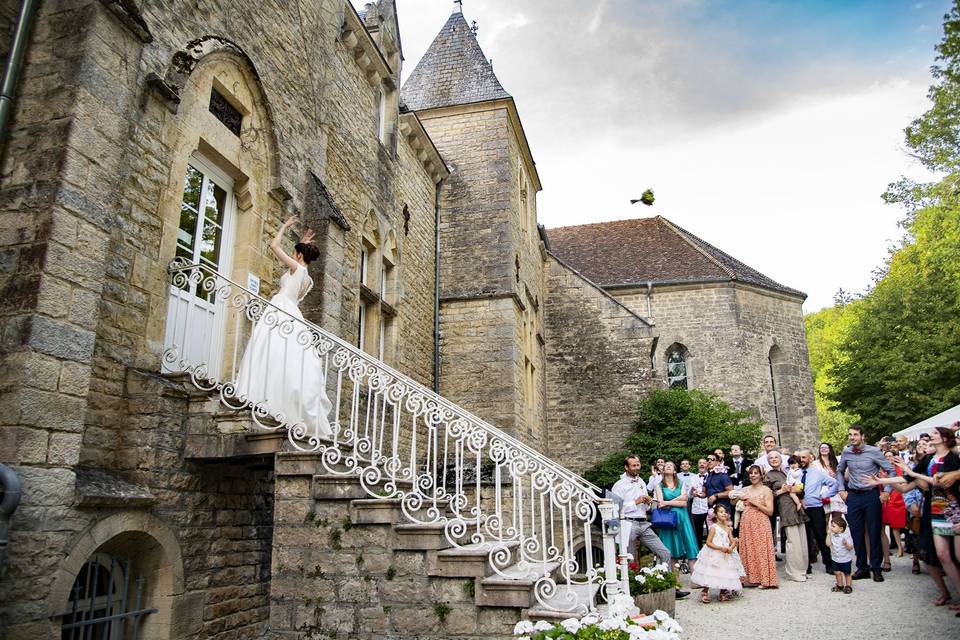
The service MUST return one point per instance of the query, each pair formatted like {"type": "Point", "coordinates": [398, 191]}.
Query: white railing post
{"type": "Point", "coordinates": [611, 529]}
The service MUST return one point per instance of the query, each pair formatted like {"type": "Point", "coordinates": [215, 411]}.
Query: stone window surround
{"type": "Point", "coordinates": [166, 583]}
{"type": "Point", "coordinates": [249, 161]}
{"type": "Point", "coordinates": [379, 291]}
{"type": "Point", "coordinates": [777, 360]}
{"type": "Point", "coordinates": [678, 348]}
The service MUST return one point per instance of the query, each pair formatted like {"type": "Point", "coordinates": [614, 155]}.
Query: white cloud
{"type": "Point", "coordinates": [795, 195]}
{"type": "Point", "coordinates": [773, 146]}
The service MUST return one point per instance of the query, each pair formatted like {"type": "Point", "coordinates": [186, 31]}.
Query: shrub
{"type": "Point", "coordinates": [674, 424]}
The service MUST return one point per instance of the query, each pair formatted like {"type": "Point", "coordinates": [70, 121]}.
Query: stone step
{"type": "Point", "coordinates": [375, 511]}
{"type": "Point", "coordinates": [336, 487]}
{"type": "Point", "coordinates": [513, 586]}
{"type": "Point", "coordinates": [331, 486]}
{"type": "Point", "coordinates": [470, 561]}
{"type": "Point", "coordinates": [388, 510]}
{"type": "Point", "coordinates": [558, 607]}
{"type": "Point", "coordinates": [421, 537]}
{"type": "Point", "coordinates": [235, 445]}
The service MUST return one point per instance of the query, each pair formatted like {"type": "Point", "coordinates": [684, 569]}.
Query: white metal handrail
{"type": "Point", "coordinates": [444, 464]}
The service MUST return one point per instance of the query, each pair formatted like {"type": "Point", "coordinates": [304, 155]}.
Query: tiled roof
{"type": "Point", "coordinates": [453, 71]}
{"type": "Point", "coordinates": [641, 250]}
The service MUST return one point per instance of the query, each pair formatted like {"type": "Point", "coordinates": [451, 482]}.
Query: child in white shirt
{"type": "Point", "coordinates": [795, 480]}
{"type": "Point", "coordinates": [841, 549]}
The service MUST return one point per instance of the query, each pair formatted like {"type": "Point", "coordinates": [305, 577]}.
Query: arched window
{"type": "Point", "coordinates": [105, 602]}
{"type": "Point", "coordinates": [677, 367]}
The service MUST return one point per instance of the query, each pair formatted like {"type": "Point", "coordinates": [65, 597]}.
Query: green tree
{"type": "Point", "coordinates": [674, 424]}
{"type": "Point", "coordinates": [897, 358]}
{"type": "Point", "coordinates": [824, 329]}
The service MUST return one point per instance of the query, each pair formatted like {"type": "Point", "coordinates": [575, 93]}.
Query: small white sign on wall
{"type": "Point", "coordinates": [253, 284]}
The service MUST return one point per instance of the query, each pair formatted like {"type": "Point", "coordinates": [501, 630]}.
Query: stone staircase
{"type": "Point", "coordinates": [327, 527]}
{"type": "Point", "coordinates": [419, 584]}
{"type": "Point", "coordinates": [375, 531]}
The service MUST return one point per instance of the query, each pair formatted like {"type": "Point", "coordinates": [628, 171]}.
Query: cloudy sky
{"type": "Point", "coordinates": [769, 129]}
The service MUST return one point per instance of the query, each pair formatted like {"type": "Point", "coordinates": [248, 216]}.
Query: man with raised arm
{"type": "Point", "coordinates": [636, 502]}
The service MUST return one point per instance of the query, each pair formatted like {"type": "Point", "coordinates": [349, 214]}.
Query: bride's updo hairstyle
{"type": "Point", "coordinates": [308, 250]}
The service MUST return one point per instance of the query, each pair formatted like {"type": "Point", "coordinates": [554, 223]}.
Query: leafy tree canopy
{"type": "Point", "coordinates": [893, 356]}
{"type": "Point", "coordinates": [676, 424]}
{"type": "Point", "coordinates": [824, 329]}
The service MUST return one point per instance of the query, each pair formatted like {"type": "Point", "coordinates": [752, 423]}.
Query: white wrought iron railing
{"type": "Point", "coordinates": [488, 490]}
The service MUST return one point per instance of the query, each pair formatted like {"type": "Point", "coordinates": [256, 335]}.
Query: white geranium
{"type": "Point", "coordinates": [661, 615]}
{"type": "Point", "coordinates": [523, 627]}
{"type": "Point", "coordinates": [542, 625]}
{"type": "Point", "coordinates": [640, 579]}
{"type": "Point", "coordinates": [609, 624]}
{"type": "Point", "coordinates": [621, 606]}
{"type": "Point", "coordinates": [571, 625]}
{"type": "Point", "coordinates": [638, 633]}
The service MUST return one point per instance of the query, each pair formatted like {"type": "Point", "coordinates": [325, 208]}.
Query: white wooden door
{"type": "Point", "coordinates": [195, 318]}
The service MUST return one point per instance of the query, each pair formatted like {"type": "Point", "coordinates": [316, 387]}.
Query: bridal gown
{"type": "Point", "coordinates": [280, 373]}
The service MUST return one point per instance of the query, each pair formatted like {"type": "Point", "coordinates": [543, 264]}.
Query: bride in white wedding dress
{"type": "Point", "coordinates": [276, 370]}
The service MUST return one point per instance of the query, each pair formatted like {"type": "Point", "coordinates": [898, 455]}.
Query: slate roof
{"type": "Point", "coordinates": [641, 250]}
{"type": "Point", "coordinates": [453, 71]}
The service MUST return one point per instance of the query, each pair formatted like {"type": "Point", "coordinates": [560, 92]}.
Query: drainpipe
{"type": "Point", "coordinates": [649, 300]}
{"type": "Point", "coordinates": [11, 498]}
{"type": "Point", "coordinates": [11, 70]}
{"type": "Point", "coordinates": [436, 289]}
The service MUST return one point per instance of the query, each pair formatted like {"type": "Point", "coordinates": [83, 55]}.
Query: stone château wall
{"type": "Point", "coordinates": [111, 105]}
{"type": "Point", "coordinates": [598, 357]}
{"type": "Point", "coordinates": [491, 268]}
{"type": "Point", "coordinates": [728, 332]}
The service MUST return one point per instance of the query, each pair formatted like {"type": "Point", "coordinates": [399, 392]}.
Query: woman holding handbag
{"type": "Point", "coordinates": [671, 519]}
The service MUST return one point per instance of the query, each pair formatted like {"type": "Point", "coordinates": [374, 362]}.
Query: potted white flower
{"type": "Point", "coordinates": [619, 622]}
{"type": "Point", "coordinates": [653, 588]}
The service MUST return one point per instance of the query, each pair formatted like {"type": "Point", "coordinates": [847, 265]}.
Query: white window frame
{"type": "Point", "coordinates": [210, 341]}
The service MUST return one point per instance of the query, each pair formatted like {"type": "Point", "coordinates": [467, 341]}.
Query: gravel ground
{"type": "Point", "coordinates": [900, 607]}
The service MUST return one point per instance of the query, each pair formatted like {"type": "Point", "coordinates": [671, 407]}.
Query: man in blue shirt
{"type": "Point", "coordinates": [817, 484]}
{"type": "Point", "coordinates": [864, 511]}
{"type": "Point", "coordinates": [717, 484]}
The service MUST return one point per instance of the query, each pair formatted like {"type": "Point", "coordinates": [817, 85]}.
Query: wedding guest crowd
{"type": "Point", "coordinates": [723, 521]}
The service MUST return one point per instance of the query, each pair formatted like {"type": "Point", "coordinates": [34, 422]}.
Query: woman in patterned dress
{"type": "Point", "coordinates": [756, 537]}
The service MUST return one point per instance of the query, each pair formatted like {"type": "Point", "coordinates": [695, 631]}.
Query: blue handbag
{"type": "Point", "coordinates": [663, 518]}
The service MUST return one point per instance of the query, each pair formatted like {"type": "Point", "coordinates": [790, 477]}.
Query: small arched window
{"type": "Point", "coordinates": [104, 601]}
{"type": "Point", "coordinates": [677, 367]}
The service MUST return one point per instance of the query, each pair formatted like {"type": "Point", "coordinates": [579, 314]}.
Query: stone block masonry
{"type": "Point", "coordinates": [730, 332]}
{"type": "Point", "coordinates": [598, 368]}
{"type": "Point", "coordinates": [491, 269]}
{"type": "Point", "coordinates": [108, 115]}
{"type": "Point", "coordinates": [334, 577]}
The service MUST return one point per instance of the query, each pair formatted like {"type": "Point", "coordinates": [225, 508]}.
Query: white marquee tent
{"type": "Point", "coordinates": [942, 419]}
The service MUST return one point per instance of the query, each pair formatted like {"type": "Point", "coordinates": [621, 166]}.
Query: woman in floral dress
{"type": "Point", "coordinates": [756, 537]}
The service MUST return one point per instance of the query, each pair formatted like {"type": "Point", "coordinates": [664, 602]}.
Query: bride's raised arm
{"type": "Point", "coordinates": [278, 250]}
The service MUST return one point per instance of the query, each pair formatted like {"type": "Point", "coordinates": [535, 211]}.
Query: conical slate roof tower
{"type": "Point", "coordinates": [453, 71]}
{"type": "Point", "coordinates": [491, 264]}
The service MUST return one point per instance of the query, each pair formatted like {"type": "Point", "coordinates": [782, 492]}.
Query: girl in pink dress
{"type": "Point", "coordinates": [718, 565]}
